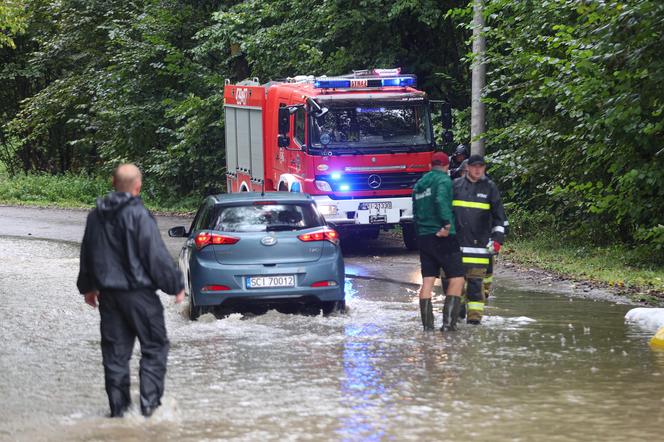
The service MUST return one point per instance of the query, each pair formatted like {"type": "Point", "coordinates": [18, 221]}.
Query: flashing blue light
{"type": "Point", "coordinates": [399, 81]}
{"type": "Point", "coordinates": [344, 187]}
{"type": "Point", "coordinates": [335, 175]}
{"type": "Point", "coordinates": [331, 84]}
{"type": "Point", "coordinates": [408, 81]}
{"type": "Point", "coordinates": [363, 83]}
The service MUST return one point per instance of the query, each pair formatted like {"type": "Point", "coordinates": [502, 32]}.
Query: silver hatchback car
{"type": "Point", "coordinates": [251, 252]}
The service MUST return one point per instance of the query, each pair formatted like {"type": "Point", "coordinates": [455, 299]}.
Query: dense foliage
{"type": "Point", "coordinates": [576, 108]}
{"type": "Point", "coordinates": [574, 97]}
{"type": "Point", "coordinates": [94, 82]}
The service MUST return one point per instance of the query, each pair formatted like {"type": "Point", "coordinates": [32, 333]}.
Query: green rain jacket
{"type": "Point", "coordinates": [432, 203]}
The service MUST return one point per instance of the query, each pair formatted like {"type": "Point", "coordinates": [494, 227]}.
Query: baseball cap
{"type": "Point", "coordinates": [440, 159]}
{"type": "Point", "coordinates": [475, 159]}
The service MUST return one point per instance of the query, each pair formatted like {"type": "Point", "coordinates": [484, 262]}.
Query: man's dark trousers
{"type": "Point", "coordinates": [125, 316]}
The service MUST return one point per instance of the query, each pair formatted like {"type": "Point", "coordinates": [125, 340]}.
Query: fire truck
{"type": "Point", "coordinates": [356, 143]}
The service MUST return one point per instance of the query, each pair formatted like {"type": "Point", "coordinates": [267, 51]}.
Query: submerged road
{"type": "Point", "coordinates": [543, 366]}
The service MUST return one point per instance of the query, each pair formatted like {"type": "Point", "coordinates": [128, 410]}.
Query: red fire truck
{"type": "Point", "coordinates": [357, 143]}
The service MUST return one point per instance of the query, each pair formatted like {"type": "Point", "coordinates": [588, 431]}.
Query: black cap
{"type": "Point", "coordinates": [475, 159]}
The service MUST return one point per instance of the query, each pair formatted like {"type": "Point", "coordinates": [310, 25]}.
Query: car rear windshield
{"type": "Point", "coordinates": [266, 217]}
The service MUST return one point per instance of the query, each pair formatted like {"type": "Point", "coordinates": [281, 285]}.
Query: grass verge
{"type": "Point", "coordinates": [617, 267]}
{"type": "Point", "coordinates": [72, 191]}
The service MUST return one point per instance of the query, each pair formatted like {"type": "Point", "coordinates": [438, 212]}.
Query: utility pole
{"type": "Point", "coordinates": [477, 111]}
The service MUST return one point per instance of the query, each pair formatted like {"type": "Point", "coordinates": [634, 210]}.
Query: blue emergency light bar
{"type": "Point", "coordinates": [364, 83]}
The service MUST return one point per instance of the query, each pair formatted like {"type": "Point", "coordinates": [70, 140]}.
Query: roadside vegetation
{"type": "Point", "coordinates": [574, 103]}
{"type": "Point", "coordinates": [537, 240]}
{"type": "Point", "coordinates": [72, 191]}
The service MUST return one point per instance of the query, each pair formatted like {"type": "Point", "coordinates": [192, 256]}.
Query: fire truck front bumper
{"type": "Point", "coordinates": [368, 211]}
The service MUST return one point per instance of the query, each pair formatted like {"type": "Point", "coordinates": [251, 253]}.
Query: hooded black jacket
{"type": "Point", "coordinates": [123, 250]}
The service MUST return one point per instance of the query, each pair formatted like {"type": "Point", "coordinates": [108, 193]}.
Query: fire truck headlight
{"type": "Point", "coordinates": [328, 210]}
{"type": "Point", "coordinates": [323, 186]}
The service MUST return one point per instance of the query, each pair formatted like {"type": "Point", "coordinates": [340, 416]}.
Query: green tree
{"type": "Point", "coordinates": [575, 106]}
{"type": "Point", "coordinates": [13, 21]}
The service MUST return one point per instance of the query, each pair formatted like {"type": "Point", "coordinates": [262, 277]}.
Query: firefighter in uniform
{"type": "Point", "coordinates": [460, 155]}
{"type": "Point", "coordinates": [438, 244]}
{"type": "Point", "coordinates": [480, 221]}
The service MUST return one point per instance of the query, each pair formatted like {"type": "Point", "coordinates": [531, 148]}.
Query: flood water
{"type": "Point", "coordinates": [541, 367]}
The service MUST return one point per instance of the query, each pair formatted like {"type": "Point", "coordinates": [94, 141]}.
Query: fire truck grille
{"type": "Point", "coordinates": [371, 181]}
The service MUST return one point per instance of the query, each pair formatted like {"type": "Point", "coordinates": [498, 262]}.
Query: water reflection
{"type": "Point", "coordinates": [362, 388]}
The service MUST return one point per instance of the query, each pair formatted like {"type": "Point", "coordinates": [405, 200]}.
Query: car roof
{"type": "Point", "coordinates": [249, 197]}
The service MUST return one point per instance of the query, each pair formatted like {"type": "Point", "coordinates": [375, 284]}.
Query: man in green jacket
{"type": "Point", "coordinates": [439, 248]}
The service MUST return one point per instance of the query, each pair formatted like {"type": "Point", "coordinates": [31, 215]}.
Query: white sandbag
{"type": "Point", "coordinates": [649, 318]}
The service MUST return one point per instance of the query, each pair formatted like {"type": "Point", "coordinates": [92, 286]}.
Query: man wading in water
{"type": "Point", "coordinates": [439, 248]}
{"type": "Point", "coordinates": [123, 262]}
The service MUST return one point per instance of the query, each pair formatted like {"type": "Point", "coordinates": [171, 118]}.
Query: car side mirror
{"type": "Point", "coordinates": [283, 141]}
{"type": "Point", "coordinates": [446, 115]}
{"type": "Point", "coordinates": [284, 120]}
{"type": "Point", "coordinates": [177, 232]}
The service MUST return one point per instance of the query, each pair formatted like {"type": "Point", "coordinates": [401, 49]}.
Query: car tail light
{"type": "Point", "coordinates": [215, 288]}
{"type": "Point", "coordinates": [206, 238]}
{"type": "Point", "coordinates": [324, 284]}
{"type": "Point", "coordinates": [324, 234]}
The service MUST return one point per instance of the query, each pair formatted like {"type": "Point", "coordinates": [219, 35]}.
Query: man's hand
{"type": "Point", "coordinates": [496, 247]}
{"type": "Point", "coordinates": [443, 232]}
{"type": "Point", "coordinates": [91, 298]}
{"type": "Point", "coordinates": [179, 297]}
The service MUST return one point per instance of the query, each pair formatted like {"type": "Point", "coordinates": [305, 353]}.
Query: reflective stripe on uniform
{"type": "Point", "coordinates": [473, 260]}
{"type": "Point", "coordinates": [471, 204]}
{"type": "Point", "coordinates": [500, 229]}
{"type": "Point", "coordinates": [475, 250]}
{"type": "Point", "coordinates": [477, 306]}
{"type": "Point", "coordinates": [488, 279]}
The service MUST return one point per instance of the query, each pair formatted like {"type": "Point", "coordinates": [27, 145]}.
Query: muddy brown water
{"type": "Point", "coordinates": [542, 367]}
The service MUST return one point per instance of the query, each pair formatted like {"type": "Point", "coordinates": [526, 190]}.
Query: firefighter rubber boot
{"type": "Point", "coordinates": [451, 310]}
{"type": "Point", "coordinates": [486, 286]}
{"type": "Point", "coordinates": [475, 312]}
{"type": "Point", "coordinates": [426, 312]}
{"type": "Point", "coordinates": [475, 305]}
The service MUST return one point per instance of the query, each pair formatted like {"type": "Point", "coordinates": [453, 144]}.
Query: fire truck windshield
{"type": "Point", "coordinates": [372, 124]}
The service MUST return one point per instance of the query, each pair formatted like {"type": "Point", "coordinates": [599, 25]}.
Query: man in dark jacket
{"type": "Point", "coordinates": [480, 221]}
{"type": "Point", "coordinates": [439, 248]}
{"type": "Point", "coordinates": [123, 262]}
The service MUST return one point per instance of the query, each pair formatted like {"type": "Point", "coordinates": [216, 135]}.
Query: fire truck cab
{"type": "Point", "coordinates": [356, 143]}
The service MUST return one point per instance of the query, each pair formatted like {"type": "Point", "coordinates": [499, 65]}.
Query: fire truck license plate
{"type": "Point", "coordinates": [259, 282]}
{"type": "Point", "coordinates": [375, 205]}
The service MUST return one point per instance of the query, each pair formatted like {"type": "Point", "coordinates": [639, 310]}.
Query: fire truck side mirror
{"type": "Point", "coordinates": [448, 137]}
{"type": "Point", "coordinates": [446, 115]}
{"type": "Point", "coordinates": [283, 141]}
{"type": "Point", "coordinates": [284, 121]}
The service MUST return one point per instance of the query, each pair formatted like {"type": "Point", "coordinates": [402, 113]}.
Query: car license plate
{"type": "Point", "coordinates": [375, 205]}
{"type": "Point", "coordinates": [259, 282]}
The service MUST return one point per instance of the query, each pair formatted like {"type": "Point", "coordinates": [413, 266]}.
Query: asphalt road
{"type": "Point", "coordinates": [383, 259]}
